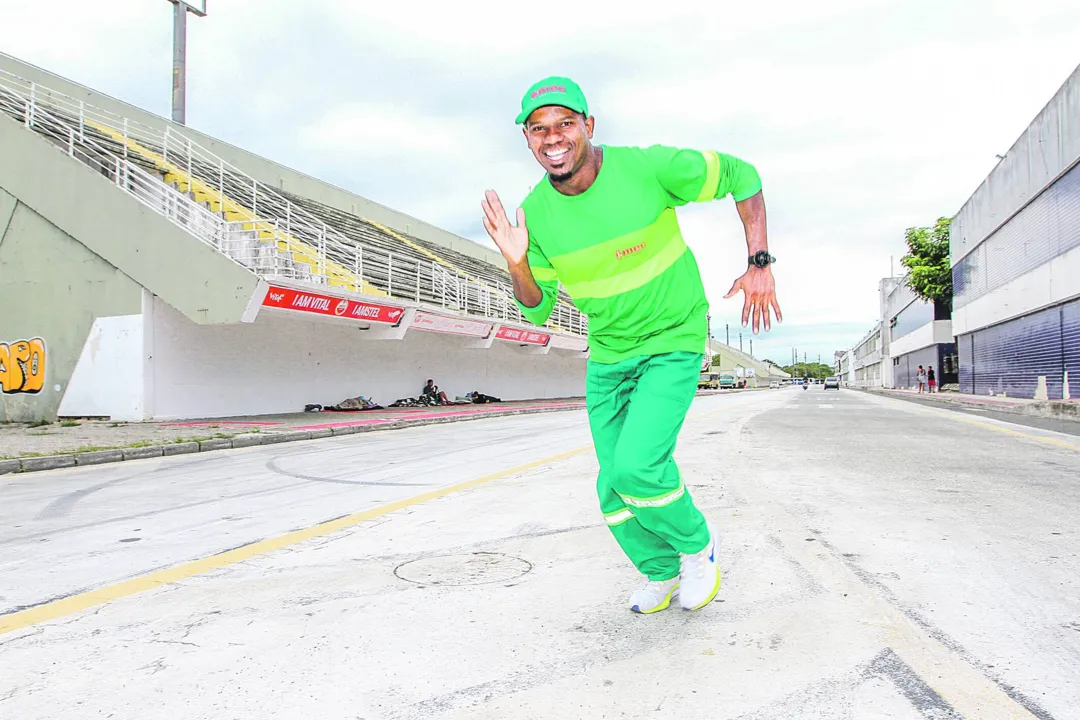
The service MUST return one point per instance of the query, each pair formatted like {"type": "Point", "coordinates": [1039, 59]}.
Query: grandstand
{"type": "Point", "coordinates": [728, 359]}
{"type": "Point", "coordinates": [275, 234]}
{"type": "Point", "coordinates": [272, 246]}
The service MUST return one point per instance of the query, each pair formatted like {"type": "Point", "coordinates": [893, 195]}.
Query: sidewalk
{"type": "Point", "coordinates": [1054, 409]}
{"type": "Point", "coordinates": [26, 447]}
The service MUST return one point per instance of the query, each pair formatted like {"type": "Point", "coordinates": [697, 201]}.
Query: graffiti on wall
{"type": "Point", "coordinates": [22, 366]}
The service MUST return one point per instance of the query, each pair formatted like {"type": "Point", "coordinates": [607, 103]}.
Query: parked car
{"type": "Point", "coordinates": [774, 384]}
{"type": "Point", "coordinates": [709, 380]}
{"type": "Point", "coordinates": [727, 380]}
{"type": "Point", "coordinates": [832, 382]}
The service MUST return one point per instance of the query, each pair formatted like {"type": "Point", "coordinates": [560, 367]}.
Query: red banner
{"type": "Point", "coordinates": [453, 326]}
{"type": "Point", "coordinates": [319, 304]}
{"type": "Point", "coordinates": [522, 336]}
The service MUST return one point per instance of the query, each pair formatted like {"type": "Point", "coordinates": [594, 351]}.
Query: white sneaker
{"type": "Point", "coordinates": [700, 576]}
{"type": "Point", "coordinates": [655, 596]}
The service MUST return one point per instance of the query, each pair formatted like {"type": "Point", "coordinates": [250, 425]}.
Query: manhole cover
{"type": "Point", "coordinates": [464, 569]}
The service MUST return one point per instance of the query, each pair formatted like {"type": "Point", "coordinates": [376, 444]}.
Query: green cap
{"type": "Point", "coordinates": [553, 90]}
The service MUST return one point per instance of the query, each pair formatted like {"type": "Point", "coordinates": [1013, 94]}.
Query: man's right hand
{"type": "Point", "coordinates": [513, 242]}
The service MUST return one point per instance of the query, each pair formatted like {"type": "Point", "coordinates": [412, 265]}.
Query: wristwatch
{"type": "Point", "coordinates": [761, 258]}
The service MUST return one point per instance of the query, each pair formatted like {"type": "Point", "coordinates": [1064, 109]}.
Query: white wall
{"type": "Point", "coordinates": [108, 376]}
{"type": "Point", "coordinates": [932, 333]}
{"type": "Point", "coordinates": [1046, 148]}
{"type": "Point", "coordinates": [1046, 285]}
{"type": "Point", "coordinates": [868, 376]}
{"type": "Point", "coordinates": [280, 362]}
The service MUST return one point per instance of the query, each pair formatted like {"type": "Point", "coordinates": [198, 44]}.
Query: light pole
{"type": "Point", "coordinates": [179, 79]}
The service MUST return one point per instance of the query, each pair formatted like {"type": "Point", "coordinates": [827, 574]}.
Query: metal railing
{"type": "Point", "coordinates": [253, 223]}
{"type": "Point", "coordinates": [144, 187]}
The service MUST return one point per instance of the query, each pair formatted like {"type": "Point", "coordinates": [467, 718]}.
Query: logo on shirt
{"type": "Point", "coordinates": [545, 90]}
{"type": "Point", "coordinates": [620, 254]}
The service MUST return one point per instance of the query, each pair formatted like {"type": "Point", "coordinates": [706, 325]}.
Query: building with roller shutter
{"type": "Point", "coordinates": [1016, 263]}
{"type": "Point", "coordinates": [919, 333]}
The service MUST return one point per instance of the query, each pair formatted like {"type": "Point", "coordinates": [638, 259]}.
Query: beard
{"type": "Point", "coordinates": [563, 177]}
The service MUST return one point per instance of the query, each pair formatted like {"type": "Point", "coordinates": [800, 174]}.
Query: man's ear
{"type": "Point", "coordinates": [590, 124]}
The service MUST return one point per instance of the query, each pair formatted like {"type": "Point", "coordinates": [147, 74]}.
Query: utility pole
{"type": "Point", "coordinates": [751, 347]}
{"type": "Point", "coordinates": [727, 334]}
{"type": "Point", "coordinates": [179, 73]}
{"type": "Point", "coordinates": [740, 342]}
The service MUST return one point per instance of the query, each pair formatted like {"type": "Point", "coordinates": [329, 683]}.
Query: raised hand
{"type": "Point", "coordinates": [512, 241]}
{"type": "Point", "coordinates": [759, 293]}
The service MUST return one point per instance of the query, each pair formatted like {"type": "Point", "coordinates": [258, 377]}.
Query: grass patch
{"type": "Point", "coordinates": [40, 423]}
{"type": "Point", "coordinates": [31, 454]}
{"type": "Point", "coordinates": [204, 438]}
{"type": "Point", "coordinates": [70, 423]}
{"type": "Point", "coordinates": [92, 448]}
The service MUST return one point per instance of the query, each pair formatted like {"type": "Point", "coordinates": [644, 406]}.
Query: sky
{"type": "Point", "coordinates": [863, 117]}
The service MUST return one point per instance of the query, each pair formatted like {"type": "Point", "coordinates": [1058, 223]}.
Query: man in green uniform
{"type": "Point", "coordinates": [602, 222]}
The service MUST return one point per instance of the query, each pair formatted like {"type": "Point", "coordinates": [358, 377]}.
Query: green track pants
{"type": "Point", "coordinates": [636, 408]}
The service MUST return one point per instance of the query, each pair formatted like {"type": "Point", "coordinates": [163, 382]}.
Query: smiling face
{"type": "Point", "coordinates": [559, 139]}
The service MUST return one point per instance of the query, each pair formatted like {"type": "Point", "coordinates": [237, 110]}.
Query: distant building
{"type": "Point", "coordinates": [867, 366]}
{"type": "Point", "coordinates": [1016, 262]}
{"type": "Point", "coordinates": [918, 333]}
{"type": "Point", "coordinates": [844, 368]}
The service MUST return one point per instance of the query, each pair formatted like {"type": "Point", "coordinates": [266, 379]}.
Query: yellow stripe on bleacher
{"type": "Point", "coordinates": [337, 275]}
{"type": "Point", "coordinates": [420, 248]}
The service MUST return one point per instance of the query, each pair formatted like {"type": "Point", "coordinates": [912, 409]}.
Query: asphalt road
{"type": "Point", "coordinates": [881, 559]}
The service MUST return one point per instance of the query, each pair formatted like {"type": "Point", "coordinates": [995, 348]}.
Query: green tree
{"type": "Point", "coordinates": [813, 370]}
{"type": "Point", "coordinates": [927, 261]}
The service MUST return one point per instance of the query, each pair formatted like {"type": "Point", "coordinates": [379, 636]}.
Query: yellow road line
{"type": "Point", "coordinates": [76, 603]}
{"type": "Point", "coordinates": [956, 416]}
{"type": "Point", "coordinates": [99, 596]}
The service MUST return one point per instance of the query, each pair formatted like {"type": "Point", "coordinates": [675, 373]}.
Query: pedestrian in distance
{"type": "Point", "coordinates": [931, 379]}
{"type": "Point", "coordinates": [920, 378]}
{"type": "Point", "coordinates": [602, 222]}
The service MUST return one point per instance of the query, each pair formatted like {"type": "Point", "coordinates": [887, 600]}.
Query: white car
{"type": "Point", "coordinates": [832, 382]}
{"type": "Point", "coordinates": [774, 384]}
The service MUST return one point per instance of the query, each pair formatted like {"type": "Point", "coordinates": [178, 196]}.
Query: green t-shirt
{"type": "Point", "coordinates": [618, 250]}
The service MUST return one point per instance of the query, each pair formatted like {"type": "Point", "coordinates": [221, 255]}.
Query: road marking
{"type": "Point", "coordinates": [100, 596]}
{"type": "Point", "coordinates": [959, 417]}
{"type": "Point", "coordinates": [826, 406]}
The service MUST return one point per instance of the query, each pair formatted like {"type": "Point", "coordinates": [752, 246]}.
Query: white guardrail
{"type": "Point", "coordinates": [269, 221]}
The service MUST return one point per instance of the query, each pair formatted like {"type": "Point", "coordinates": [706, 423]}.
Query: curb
{"type": "Point", "coordinates": [99, 457]}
